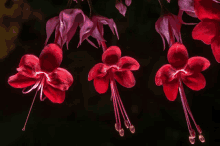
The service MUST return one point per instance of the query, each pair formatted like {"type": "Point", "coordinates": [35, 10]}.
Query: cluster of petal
{"type": "Point", "coordinates": [121, 7]}
{"type": "Point", "coordinates": [188, 7]}
{"type": "Point", "coordinates": [208, 29]}
{"type": "Point", "coordinates": [32, 70]}
{"type": "Point", "coordinates": [65, 25]}
{"type": "Point", "coordinates": [181, 67]}
{"type": "Point", "coordinates": [168, 26]}
{"type": "Point", "coordinates": [113, 66]}
{"type": "Point", "coordinates": [94, 27]}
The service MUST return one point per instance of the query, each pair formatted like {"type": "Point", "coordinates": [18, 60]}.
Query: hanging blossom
{"type": "Point", "coordinates": [115, 67]}
{"type": "Point", "coordinates": [94, 27]}
{"type": "Point", "coordinates": [181, 69]}
{"type": "Point", "coordinates": [209, 27]}
{"type": "Point", "coordinates": [121, 7]}
{"type": "Point", "coordinates": [65, 25]}
{"type": "Point", "coordinates": [44, 74]}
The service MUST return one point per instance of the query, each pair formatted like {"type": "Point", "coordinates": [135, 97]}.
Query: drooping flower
{"type": "Point", "coordinates": [65, 25]}
{"type": "Point", "coordinates": [94, 28]}
{"type": "Point", "coordinates": [44, 74]}
{"type": "Point", "coordinates": [115, 67]}
{"type": "Point", "coordinates": [209, 27]}
{"type": "Point", "coordinates": [181, 69]}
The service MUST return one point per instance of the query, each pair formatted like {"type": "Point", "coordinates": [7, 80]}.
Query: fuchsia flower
{"type": "Point", "coordinates": [114, 68]}
{"type": "Point", "coordinates": [121, 7]}
{"type": "Point", "coordinates": [208, 29]}
{"type": "Point", "coordinates": [44, 74]}
{"type": "Point", "coordinates": [94, 28]}
{"type": "Point", "coordinates": [65, 25]}
{"type": "Point", "coordinates": [168, 26]}
{"type": "Point", "coordinates": [181, 69]}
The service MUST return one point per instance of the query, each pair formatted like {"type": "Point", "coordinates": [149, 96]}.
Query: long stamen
{"type": "Point", "coordinates": [187, 109]}
{"type": "Point", "coordinates": [40, 86]}
{"type": "Point", "coordinates": [126, 122]}
{"type": "Point", "coordinates": [117, 125]}
{"type": "Point", "coordinates": [201, 137]}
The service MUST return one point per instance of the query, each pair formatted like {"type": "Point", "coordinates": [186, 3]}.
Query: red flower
{"type": "Point", "coordinates": [208, 29]}
{"type": "Point", "coordinates": [182, 69]}
{"type": "Point", "coordinates": [114, 68]}
{"type": "Point", "coordinates": [44, 74]}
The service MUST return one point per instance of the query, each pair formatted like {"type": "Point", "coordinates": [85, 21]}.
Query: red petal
{"type": "Point", "coordinates": [207, 9]}
{"type": "Point", "coordinates": [50, 57]}
{"type": "Point", "coordinates": [111, 55]}
{"type": "Point", "coordinates": [97, 71]}
{"type": "Point", "coordinates": [195, 81]}
{"type": "Point", "coordinates": [215, 45]}
{"type": "Point", "coordinates": [29, 65]}
{"type": "Point", "coordinates": [177, 55]}
{"type": "Point", "coordinates": [128, 63]}
{"type": "Point", "coordinates": [20, 81]}
{"type": "Point", "coordinates": [205, 31]}
{"type": "Point", "coordinates": [125, 78]}
{"type": "Point", "coordinates": [101, 84]}
{"type": "Point", "coordinates": [171, 89]}
{"type": "Point", "coordinates": [55, 95]}
{"type": "Point", "coordinates": [121, 8]}
{"type": "Point", "coordinates": [60, 79]}
{"type": "Point", "coordinates": [164, 74]}
{"type": "Point", "coordinates": [197, 64]}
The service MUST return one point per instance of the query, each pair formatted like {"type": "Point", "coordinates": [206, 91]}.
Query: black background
{"type": "Point", "coordinates": [86, 117]}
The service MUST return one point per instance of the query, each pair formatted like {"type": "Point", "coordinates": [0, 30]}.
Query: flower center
{"type": "Point", "coordinates": [45, 74]}
{"type": "Point", "coordinates": [105, 69]}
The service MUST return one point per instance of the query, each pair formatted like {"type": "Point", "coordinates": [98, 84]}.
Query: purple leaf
{"type": "Point", "coordinates": [121, 8]}
{"type": "Point", "coordinates": [128, 2]}
{"type": "Point", "coordinates": [50, 27]}
{"type": "Point", "coordinates": [188, 7]}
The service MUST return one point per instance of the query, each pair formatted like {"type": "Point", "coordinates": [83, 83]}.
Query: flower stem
{"type": "Point", "coordinates": [104, 47]}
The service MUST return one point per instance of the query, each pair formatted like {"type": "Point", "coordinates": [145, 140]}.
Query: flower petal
{"type": "Point", "coordinates": [60, 79]}
{"type": "Point", "coordinates": [29, 65]}
{"type": "Point", "coordinates": [101, 84]}
{"type": "Point", "coordinates": [121, 8]}
{"type": "Point", "coordinates": [197, 64]}
{"type": "Point", "coordinates": [215, 45]}
{"type": "Point", "coordinates": [177, 55]}
{"type": "Point", "coordinates": [205, 31]}
{"type": "Point", "coordinates": [171, 89]}
{"type": "Point", "coordinates": [195, 81]}
{"type": "Point", "coordinates": [128, 63]}
{"type": "Point", "coordinates": [187, 6]}
{"type": "Point", "coordinates": [207, 9]}
{"type": "Point", "coordinates": [97, 71]}
{"type": "Point", "coordinates": [111, 55]}
{"type": "Point", "coordinates": [20, 81]}
{"type": "Point", "coordinates": [125, 78]}
{"type": "Point", "coordinates": [50, 57]}
{"type": "Point", "coordinates": [164, 74]}
{"type": "Point", "coordinates": [53, 94]}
